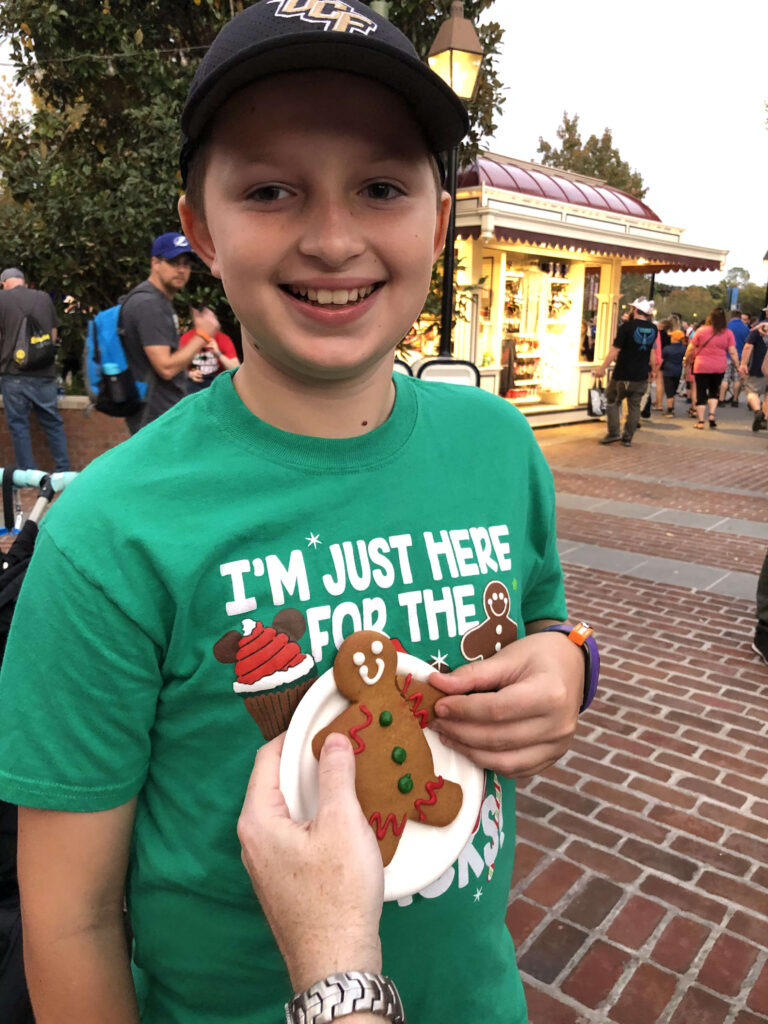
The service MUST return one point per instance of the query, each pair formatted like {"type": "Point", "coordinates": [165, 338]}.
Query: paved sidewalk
{"type": "Point", "coordinates": [640, 892]}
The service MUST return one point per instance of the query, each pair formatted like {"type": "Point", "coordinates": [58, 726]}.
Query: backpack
{"type": "Point", "coordinates": [112, 386]}
{"type": "Point", "coordinates": [34, 348]}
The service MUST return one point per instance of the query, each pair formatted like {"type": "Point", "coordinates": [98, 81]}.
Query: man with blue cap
{"type": "Point", "coordinates": [151, 329]}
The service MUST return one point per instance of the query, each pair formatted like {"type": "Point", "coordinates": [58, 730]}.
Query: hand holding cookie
{"type": "Point", "coordinates": [514, 712]}
{"type": "Point", "coordinates": [320, 883]}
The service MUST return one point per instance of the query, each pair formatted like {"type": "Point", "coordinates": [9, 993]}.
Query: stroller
{"type": "Point", "coordinates": [15, 1007]}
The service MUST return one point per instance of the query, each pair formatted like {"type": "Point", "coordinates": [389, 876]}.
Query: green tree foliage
{"type": "Point", "coordinates": [597, 157]}
{"type": "Point", "coordinates": [90, 175]}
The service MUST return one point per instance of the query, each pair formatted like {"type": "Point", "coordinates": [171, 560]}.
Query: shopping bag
{"type": "Point", "coordinates": [596, 400]}
{"type": "Point", "coordinates": [645, 405]}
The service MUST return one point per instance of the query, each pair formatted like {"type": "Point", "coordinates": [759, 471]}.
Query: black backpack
{"type": "Point", "coordinates": [34, 348]}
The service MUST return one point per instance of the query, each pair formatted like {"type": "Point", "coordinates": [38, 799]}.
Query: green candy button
{"type": "Point", "coordinates": [398, 755]}
{"type": "Point", "coordinates": [405, 784]}
{"type": "Point", "coordinates": [385, 718]}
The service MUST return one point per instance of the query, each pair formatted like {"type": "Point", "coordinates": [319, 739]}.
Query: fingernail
{"type": "Point", "coordinates": [335, 741]}
{"type": "Point", "coordinates": [441, 710]}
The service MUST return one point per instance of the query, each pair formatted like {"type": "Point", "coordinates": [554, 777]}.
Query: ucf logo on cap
{"type": "Point", "coordinates": [326, 14]}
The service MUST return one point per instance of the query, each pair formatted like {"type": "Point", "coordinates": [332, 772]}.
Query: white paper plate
{"type": "Point", "coordinates": [424, 851]}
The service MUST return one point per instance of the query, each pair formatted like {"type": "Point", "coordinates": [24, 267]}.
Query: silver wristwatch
{"type": "Point", "coordinates": [341, 994]}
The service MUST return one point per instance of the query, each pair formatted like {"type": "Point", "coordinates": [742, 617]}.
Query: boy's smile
{"type": "Point", "coordinates": [331, 297]}
{"type": "Point", "coordinates": [322, 220]}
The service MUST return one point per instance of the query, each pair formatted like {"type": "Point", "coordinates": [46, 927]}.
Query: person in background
{"type": "Point", "coordinates": [219, 353]}
{"type": "Point", "coordinates": [24, 390]}
{"type": "Point", "coordinates": [631, 351]}
{"type": "Point", "coordinates": [750, 369]}
{"type": "Point", "coordinates": [151, 329]}
{"type": "Point", "coordinates": [587, 348]}
{"type": "Point", "coordinates": [662, 339]}
{"type": "Point", "coordinates": [709, 349]}
{"type": "Point", "coordinates": [738, 325]}
{"type": "Point", "coordinates": [672, 355]}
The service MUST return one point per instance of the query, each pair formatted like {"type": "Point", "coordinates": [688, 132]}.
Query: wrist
{"type": "Point", "coordinates": [581, 637]}
{"type": "Point", "coordinates": [363, 955]}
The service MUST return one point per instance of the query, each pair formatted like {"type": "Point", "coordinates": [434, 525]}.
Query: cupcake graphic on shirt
{"type": "Point", "coordinates": [272, 673]}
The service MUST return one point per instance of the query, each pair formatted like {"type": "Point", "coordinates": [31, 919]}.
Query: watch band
{"type": "Point", "coordinates": [347, 992]}
{"type": "Point", "coordinates": [583, 636]}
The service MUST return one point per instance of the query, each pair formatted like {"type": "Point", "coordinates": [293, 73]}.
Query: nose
{"type": "Point", "coordinates": [331, 233]}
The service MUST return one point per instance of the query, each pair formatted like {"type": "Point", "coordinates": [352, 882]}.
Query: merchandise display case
{"type": "Point", "coordinates": [526, 369]}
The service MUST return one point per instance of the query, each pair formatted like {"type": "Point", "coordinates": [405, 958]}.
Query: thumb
{"type": "Point", "coordinates": [336, 774]}
{"type": "Point", "coordinates": [472, 676]}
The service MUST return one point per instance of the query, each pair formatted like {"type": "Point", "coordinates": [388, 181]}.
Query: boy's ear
{"type": "Point", "coordinates": [441, 225]}
{"type": "Point", "coordinates": [196, 230]}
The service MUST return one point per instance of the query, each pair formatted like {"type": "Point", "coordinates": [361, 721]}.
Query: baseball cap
{"type": "Point", "coordinates": [643, 305]}
{"type": "Point", "coordinates": [170, 245]}
{"type": "Point", "coordinates": [275, 36]}
{"type": "Point", "coordinates": [10, 272]}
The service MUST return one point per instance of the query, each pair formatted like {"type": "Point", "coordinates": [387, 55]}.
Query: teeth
{"type": "Point", "coordinates": [333, 297]}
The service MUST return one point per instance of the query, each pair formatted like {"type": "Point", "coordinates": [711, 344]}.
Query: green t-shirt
{"type": "Point", "coordinates": [209, 518]}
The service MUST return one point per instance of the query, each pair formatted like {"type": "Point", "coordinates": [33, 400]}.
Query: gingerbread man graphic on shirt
{"type": "Point", "coordinates": [496, 631]}
{"type": "Point", "coordinates": [395, 775]}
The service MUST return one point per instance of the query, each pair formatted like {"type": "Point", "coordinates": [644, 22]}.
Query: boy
{"type": "Point", "coordinates": [308, 488]}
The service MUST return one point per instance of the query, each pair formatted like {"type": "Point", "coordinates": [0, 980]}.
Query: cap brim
{"type": "Point", "coordinates": [171, 254]}
{"type": "Point", "coordinates": [437, 108]}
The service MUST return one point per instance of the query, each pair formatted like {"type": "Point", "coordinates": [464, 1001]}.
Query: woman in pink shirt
{"type": "Point", "coordinates": [710, 348]}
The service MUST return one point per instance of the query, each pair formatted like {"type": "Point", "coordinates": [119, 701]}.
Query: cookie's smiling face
{"type": "Point", "coordinates": [496, 600]}
{"type": "Point", "coordinates": [364, 659]}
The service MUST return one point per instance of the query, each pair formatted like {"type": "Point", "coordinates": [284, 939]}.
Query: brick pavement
{"type": "Point", "coordinates": [640, 892]}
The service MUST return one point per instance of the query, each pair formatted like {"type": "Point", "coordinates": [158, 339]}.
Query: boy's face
{"type": "Point", "coordinates": [322, 220]}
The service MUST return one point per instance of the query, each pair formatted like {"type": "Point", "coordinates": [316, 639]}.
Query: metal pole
{"type": "Point", "coordinates": [653, 286]}
{"type": "Point", "coordinates": [449, 259]}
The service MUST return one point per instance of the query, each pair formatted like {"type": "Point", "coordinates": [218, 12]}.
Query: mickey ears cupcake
{"type": "Point", "coordinates": [272, 673]}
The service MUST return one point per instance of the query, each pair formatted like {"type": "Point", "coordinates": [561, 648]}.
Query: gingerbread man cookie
{"type": "Point", "coordinates": [497, 631]}
{"type": "Point", "coordinates": [395, 774]}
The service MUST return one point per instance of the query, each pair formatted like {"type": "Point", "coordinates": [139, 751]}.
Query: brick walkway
{"type": "Point", "coordinates": [640, 892]}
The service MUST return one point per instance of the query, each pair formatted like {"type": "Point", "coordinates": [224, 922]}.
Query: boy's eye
{"type": "Point", "coordinates": [268, 193]}
{"type": "Point", "coordinates": [382, 190]}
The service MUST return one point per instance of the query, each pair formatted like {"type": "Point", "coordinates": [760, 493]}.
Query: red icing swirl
{"type": "Point", "coordinates": [431, 789]}
{"type": "Point", "coordinates": [263, 652]}
{"type": "Point", "coordinates": [381, 827]}
{"type": "Point", "coordinates": [415, 700]}
{"type": "Point", "coordinates": [353, 732]}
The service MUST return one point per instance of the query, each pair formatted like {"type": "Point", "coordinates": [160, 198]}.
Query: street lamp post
{"type": "Point", "coordinates": [455, 56]}
{"type": "Point", "coordinates": [765, 264]}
